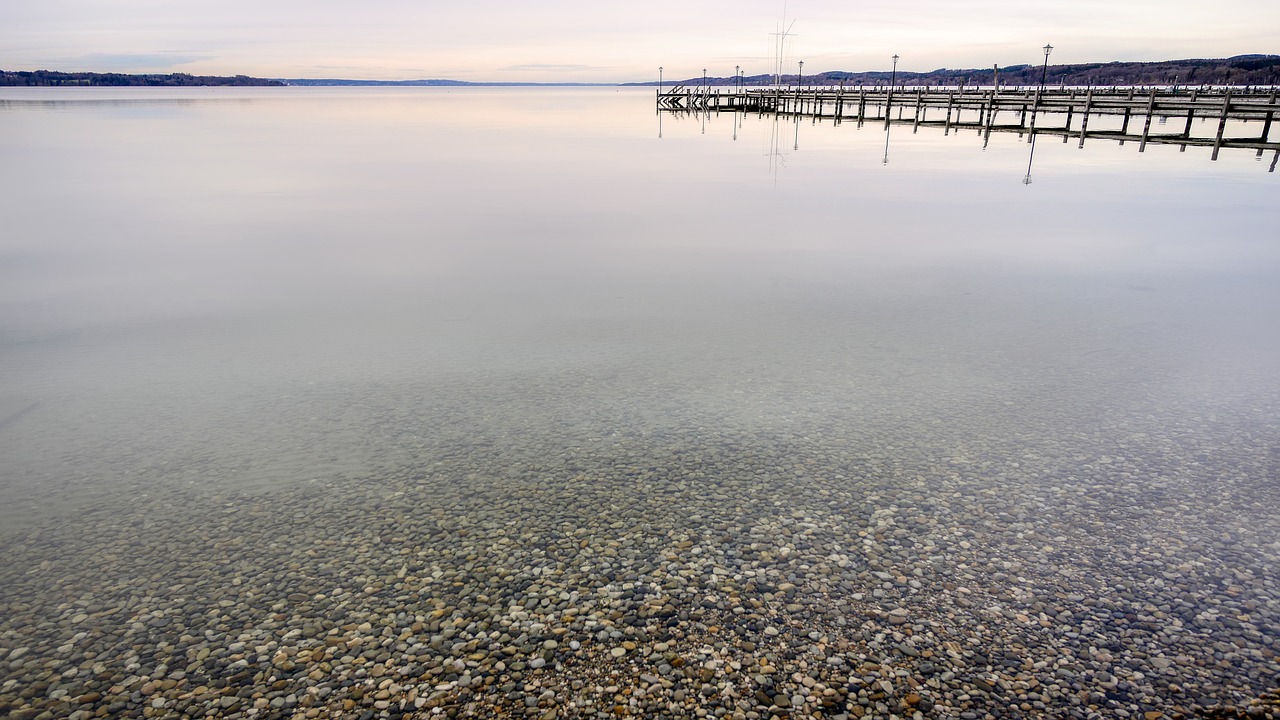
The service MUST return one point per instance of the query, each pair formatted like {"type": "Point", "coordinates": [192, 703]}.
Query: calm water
{"type": "Point", "coordinates": [231, 287]}
{"type": "Point", "coordinates": [211, 292]}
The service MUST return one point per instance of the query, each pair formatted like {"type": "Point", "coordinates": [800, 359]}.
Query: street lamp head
{"type": "Point", "coordinates": [1047, 49]}
{"type": "Point", "coordinates": [895, 59]}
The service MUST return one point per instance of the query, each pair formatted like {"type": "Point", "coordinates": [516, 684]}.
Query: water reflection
{"type": "Point", "coordinates": [986, 132]}
{"type": "Point", "coordinates": [1031, 156]}
{"type": "Point", "coordinates": [1034, 114]}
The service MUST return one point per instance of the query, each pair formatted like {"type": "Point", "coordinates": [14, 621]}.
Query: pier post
{"type": "Point", "coordinates": [888, 103]}
{"type": "Point", "coordinates": [1084, 118]}
{"type": "Point", "coordinates": [991, 116]}
{"type": "Point", "coordinates": [1222, 123]}
{"type": "Point", "coordinates": [1128, 110]}
{"type": "Point", "coordinates": [1146, 126]}
{"type": "Point", "coordinates": [1266, 124]}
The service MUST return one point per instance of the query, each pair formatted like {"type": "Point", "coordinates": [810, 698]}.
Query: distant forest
{"type": "Point", "coordinates": [1239, 70]}
{"type": "Point", "coordinates": [47, 78]}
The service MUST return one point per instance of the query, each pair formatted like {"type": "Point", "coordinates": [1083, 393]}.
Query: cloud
{"type": "Point", "coordinates": [537, 67]}
{"type": "Point", "coordinates": [107, 62]}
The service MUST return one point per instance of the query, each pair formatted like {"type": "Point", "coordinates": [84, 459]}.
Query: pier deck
{"type": "Point", "coordinates": [1051, 110]}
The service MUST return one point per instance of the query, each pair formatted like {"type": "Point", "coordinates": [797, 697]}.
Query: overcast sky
{"type": "Point", "coordinates": [610, 41]}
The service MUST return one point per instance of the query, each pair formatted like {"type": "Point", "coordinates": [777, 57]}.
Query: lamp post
{"type": "Point", "coordinates": [659, 79]}
{"type": "Point", "coordinates": [1045, 71]}
{"type": "Point", "coordinates": [888, 103]}
{"type": "Point", "coordinates": [704, 80]}
{"type": "Point", "coordinates": [736, 69]}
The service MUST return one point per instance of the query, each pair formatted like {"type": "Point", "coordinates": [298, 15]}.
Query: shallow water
{"type": "Point", "coordinates": [219, 301]}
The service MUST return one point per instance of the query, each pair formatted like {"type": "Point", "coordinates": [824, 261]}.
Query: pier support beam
{"type": "Point", "coordinates": [1266, 124]}
{"type": "Point", "coordinates": [1084, 119]}
{"type": "Point", "coordinates": [1222, 123]}
{"type": "Point", "coordinates": [1146, 126]}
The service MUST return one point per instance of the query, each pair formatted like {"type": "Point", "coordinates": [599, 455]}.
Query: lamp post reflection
{"type": "Point", "coordinates": [1030, 158]}
{"type": "Point", "coordinates": [659, 99]}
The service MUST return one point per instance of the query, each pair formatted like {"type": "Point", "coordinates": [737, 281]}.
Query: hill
{"type": "Point", "coordinates": [1238, 70]}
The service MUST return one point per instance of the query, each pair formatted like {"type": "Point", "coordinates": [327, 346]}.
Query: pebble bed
{"type": "Point", "coordinates": [828, 564]}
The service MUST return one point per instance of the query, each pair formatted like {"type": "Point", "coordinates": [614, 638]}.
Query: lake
{"type": "Point", "coordinates": [321, 402]}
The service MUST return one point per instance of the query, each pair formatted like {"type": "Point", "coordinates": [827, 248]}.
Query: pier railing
{"type": "Point", "coordinates": [1049, 110]}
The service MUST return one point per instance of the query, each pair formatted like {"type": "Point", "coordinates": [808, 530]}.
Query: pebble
{"type": "Point", "coordinates": [782, 566]}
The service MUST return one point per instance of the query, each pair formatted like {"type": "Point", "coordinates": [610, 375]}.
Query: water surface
{"type": "Point", "coordinates": [219, 297]}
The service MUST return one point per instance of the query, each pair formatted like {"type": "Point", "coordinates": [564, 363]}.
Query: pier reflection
{"type": "Point", "coordinates": [1032, 127]}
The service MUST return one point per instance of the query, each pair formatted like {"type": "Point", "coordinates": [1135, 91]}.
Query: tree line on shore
{"type": "Point", "coordinates": [1239, 70]}
{"type": "Point", "coordinates": [51, 78]}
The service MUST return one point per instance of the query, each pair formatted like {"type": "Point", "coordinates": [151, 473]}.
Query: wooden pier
{"type": "Point", "coordinates": [1057, 111]}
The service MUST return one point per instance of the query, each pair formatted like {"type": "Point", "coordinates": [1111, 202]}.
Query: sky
{"type": "Point", "coordinates": [604, 41]}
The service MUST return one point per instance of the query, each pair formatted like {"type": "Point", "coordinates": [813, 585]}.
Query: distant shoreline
{"type": "Point", "coordinates": [1238, 70]}
{"type": "Point", "coordinates": [52, 78]}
